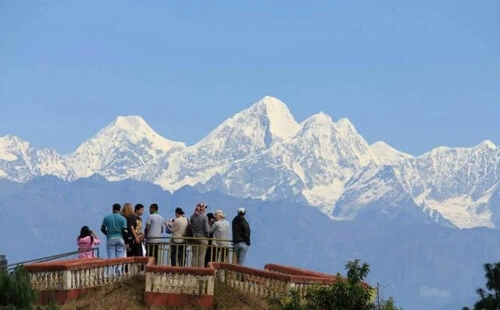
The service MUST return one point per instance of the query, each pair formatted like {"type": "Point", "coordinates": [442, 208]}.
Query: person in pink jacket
{"type": "Point", "coordinates": [86, 242]}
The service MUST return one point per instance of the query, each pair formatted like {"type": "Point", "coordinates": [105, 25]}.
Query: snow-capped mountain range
{"type": "Point", "coordinates": [263, 152]}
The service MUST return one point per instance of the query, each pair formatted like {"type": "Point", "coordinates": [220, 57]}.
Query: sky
{"type": "Point", "coordinates": [415, 74]}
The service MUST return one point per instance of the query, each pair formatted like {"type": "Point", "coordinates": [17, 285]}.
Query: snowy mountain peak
{"type": "Point", "coordinates": [345, 125]}
{"type": "Point", "coordinates": [11, 145]}
{"type": "Point", "coordinates": [265, 122]}
{"type": "Point", "coordinates": [319, 118]}
{"type": "Point", "coordinates": [133, 128]}
{"type": "Point", "coordinates": [318, 125]}
{"type": "Point", "coordinates": [282, 124]}
{"type": "Point", "coordinates": [262, 152]}
{"type": "Point", "coordinates": [11, 139]}
{"type": "Point", "coordinates": [387, 155]}
{"type": "Point", "coordinates": [271, 103]}
{"type": "Point", "coordinates": [120, 149]}
{"type": "Point", "coordinates": [130, 123]}
{"type": "Point", "coordinates": [487, 144]}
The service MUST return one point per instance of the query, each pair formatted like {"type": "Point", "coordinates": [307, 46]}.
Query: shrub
{"type": "Point", "coordinates": [15, 289]}
{"type": "Point", "coordinates": [349, 293]}
{"type": "Point", "coordinates": [292, 301]}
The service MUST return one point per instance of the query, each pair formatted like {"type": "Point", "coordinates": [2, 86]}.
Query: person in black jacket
{"type": "Point", "coordinates": [210, 255]}
{"type": "Point", "coordinates": [241, 236]}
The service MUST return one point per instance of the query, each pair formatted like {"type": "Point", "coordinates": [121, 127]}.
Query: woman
{"type": "Point", "coordinates": [177, 228]}
{"type": "Point", "coordinates": [220, 231]}
{"type": "Point", "coordinates": [132, 237]}
{"type": "Point", "coordinates": [86, 242]}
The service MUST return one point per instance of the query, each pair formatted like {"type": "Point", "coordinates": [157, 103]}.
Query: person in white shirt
{"type": "Point", "coordinates": [155, 226]}
{"type": "Point", "coordinates": [177, 228]}
{"type": "Point", "coordinates": [220, 230]}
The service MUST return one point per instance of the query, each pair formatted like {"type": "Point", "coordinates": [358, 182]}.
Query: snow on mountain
{"type": "Point", "coordinates": [247, 133]}
{"type": "Point", "coordinates": [326, 155]}
{"type": "Point", "coordinates": [10, 145]}
{"type": "Point", "coordinates": [452, 185]}
{"type": "Point", "coordinates": [262, 152]}
{"type": "Point", "coordinates": [457, 182]}
{"type": "Point", "coordinates": [387, 155]}
{"type": "Point", "coordinates": [376, 192]}
{"type": "Point", "coordinates": [120, 150]}
{"type": "Point", "coordinates": [312, 166]}
{"type": "Point", "coordinates": [266, 122]}
{"type": "Point", "coordinates": [19, 162]}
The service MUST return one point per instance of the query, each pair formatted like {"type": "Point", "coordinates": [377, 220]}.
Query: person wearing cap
{"type": "Point", "coordinates": [220, 231]}
{"type": "Point", "coordinates": [177, 228]}
{"type": "Point", "coordinates": [199, 226]}
{"type": "Point", "coordinates": [241, 236]}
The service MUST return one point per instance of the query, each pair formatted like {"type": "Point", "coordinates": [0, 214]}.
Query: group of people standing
{"type": "Point", "coordinates": [207, 235]}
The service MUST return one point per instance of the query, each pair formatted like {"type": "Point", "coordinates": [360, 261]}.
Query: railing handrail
{"type": "Point", "coordinates": [190, 238]}
{"type": "Point", "coordinates": [48, 258]}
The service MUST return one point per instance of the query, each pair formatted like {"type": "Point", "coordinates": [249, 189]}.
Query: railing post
{"type": "Point", "coordinates": [134, 269]}
{"type": "Point", "coordinates": [66, 279]}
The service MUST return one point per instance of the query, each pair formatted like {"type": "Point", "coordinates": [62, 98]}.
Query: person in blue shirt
{"type": "Point", "coordinates": [114, 226]}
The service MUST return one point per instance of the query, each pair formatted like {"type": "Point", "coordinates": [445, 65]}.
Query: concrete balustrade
{"type": "Point", "coordinates": [252, 281]}
{"type": "Point", "coordinates": [62, 281]}
{"type": "Point", "coordinates": [180, 286]}
{"type": "Point", "coordinates": [170, 286]}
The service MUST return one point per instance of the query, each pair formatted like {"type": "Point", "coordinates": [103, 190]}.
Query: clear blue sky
{"type": "Point", "coordinates": [416, 74]}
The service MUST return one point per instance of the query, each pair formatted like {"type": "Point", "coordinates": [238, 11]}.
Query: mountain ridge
{"type": "Point", "coordinates": [263, 152]}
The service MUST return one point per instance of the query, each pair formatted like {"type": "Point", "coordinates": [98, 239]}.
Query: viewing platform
{"type": "Point", "coordinates": [64, 280]}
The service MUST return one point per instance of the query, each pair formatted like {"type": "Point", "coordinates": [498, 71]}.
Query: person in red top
{"type": "Point", "coordinates": [86, 242]}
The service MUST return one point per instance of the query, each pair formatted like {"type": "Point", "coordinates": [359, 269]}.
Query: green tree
{"type": "Point", "coordinates": [291, 301]}
{"type": "Point", "coordinates": [489, 298]}
{"type": "Point", "coordinates": [350, 293]}
{"type": "Point", "coordinates": [15, 289]}
{"type": "Point", "coordinates": [387, 305]}
{"type": "Point", "coordinates": [347, 294]}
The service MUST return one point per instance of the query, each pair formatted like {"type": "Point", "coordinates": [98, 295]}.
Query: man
{"type": "Point", "coordinates": [178, 228]}
{"type": "Point", "coordinates": [114, 227]}
{"type": "Point", "coordinates": [155, 225]}
{"type": "Point", "coordinates": [220, 231]}
{"type": "Point", "coordinates": [199, 226]}
{"type": "Point", "coordinates": [137, 231]}
{"type": "Point", "coordinates": [241, 236]}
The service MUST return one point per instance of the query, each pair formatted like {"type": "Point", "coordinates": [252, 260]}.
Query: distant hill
{"type": "Point", "coordinates": [422, 264]}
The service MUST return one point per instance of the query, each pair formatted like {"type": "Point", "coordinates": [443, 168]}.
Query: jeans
{"type": "Point", "coordinates": [116, 248]}
{"type": "Point", "coordinates": [241, 249]}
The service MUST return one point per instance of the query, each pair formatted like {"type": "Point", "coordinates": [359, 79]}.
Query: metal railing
{"type": "Point", "coordinates": [190, 252]}
{"type": "Point", "coordinates": [73, 254]}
